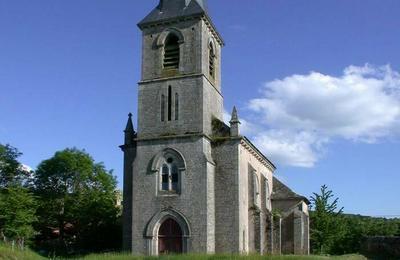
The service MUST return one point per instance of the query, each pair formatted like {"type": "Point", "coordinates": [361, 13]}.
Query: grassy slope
{"type": "Point", "coordinates": [220, 257]}
{"type": "Point", "coordinates": [6, 253]}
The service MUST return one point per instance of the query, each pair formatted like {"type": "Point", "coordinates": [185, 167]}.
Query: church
{"type": "Point", "coordinates": [192, 183]}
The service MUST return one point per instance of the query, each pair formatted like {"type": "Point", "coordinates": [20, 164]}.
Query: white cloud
{"type": "Point", "coordinates": [297, 115]}
{"type": "Point", "coordinates": [26, 168]}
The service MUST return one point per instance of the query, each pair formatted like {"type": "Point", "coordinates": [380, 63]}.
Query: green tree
{"type": "Point", "coordinates": [357, 228]}
{"type": "Point", "coordinates": [11, 170]}
{"type": "Point", "coordinates": [77, 199]}
{"type": "Point", "coordinates": [17, 204]}
{"type": "Point", "coordinates": [326, 226]}
{"type": "Point", "coordinates": [17, 214]}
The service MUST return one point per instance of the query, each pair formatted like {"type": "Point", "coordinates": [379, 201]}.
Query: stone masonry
{"type": "Point", "coordinates": [193, 184]}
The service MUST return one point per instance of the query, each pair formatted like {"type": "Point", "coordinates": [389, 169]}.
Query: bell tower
{"type": "Point", "coordinates": [180, 87]}
{"type": "Point", "coordinates": [169, 170]}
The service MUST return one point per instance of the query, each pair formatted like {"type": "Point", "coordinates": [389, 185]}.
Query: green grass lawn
{"type": "Point", "coordinates": [220, 257]}
{"type": "Point", "coordinates": [6, 253]}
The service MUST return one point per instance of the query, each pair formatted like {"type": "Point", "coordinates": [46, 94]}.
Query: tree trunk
{"type": "Point", "coordinates": [21, 243]}
{"type": "Point", "coordinates": [3, 237]}
{"type": "Point", "coordinates": [61, 224]}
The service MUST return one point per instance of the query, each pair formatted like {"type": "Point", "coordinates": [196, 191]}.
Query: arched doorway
{"type": "Point", "coordinates": [170, 239]}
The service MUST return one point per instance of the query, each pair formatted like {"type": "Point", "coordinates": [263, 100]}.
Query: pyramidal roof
{"type": "Point", "coordinates": [170, 9]}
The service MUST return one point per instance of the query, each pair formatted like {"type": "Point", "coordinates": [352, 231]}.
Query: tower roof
{"type": "Point", "coordinates": [169, 9]}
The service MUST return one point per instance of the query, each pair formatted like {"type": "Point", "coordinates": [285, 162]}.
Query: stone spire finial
{"type": "Point", "coordinates": [129, 130]}
{"type": "Point", "coordinates": [129, 124]}
{"type": "Point", "coordinates": [235, 123]}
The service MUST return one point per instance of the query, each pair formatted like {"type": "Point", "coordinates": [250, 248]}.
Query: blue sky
{"type": "Point", "coordinates": [316, 84]}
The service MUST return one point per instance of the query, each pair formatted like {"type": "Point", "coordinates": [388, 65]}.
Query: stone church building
{"type": "Point", "coordinates": [193, 184]}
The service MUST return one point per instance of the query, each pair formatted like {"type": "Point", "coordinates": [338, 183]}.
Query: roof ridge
{"type": "Point", "coordinates": [170, 9]}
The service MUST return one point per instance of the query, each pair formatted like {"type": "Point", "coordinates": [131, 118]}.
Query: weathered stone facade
{"type": "Point", "coordinates": [192, 183]}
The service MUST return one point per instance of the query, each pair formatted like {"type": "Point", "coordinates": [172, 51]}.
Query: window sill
{"type": "Point", "coordinates": [171, 194]}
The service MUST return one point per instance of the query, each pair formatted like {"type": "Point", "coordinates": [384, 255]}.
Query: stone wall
{"type": "Point", "coordinates": [227, 198]}
{"type": "Point", "coordinates": [193, 202]}
{"type": "Point", "coordinates": [287, 237]}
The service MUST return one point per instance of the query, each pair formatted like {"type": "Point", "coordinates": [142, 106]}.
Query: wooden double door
{"type": "Point", "coordinates": [170, 238]}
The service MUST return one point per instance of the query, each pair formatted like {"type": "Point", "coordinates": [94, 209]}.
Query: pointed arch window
{"type": "Point", "coordinates": [170, 166]}
{"type": "Point", "coordinates": [211, 59]}
{"type": "Point", "coordinates": [169, 176]}
{"type": "Point", "coordinates": [165, 177]}
{"type": "Point", "coordinates": [256, 189]}
{"type": "Point", "coordinates": [171, 52]}
{"type": "Point", "coordinates": [267, 195]}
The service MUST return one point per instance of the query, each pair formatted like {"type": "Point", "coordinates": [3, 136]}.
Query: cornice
{"type": "Point", "coordinates": [193, 75]}
{"type": "Point", "coordinates": [178, 19]}
{"type": "Point", "coordinates": [170, 137]}
{"type": "Point", "coordinates": [256, 153]}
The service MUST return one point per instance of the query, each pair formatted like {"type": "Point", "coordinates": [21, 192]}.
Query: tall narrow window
{"type": "Point", "coordinates": [171, 52]}
{"type": "Point", "coordinates": [176, 106]}
{"type": "Point", "coordinates": [211, 60]}
{"type": "Point", "coordinates": [174, 177]}
{"type": "Point", "coordinates": [256, 189]}
{"type": "Point", "coordinates": [170, 176]}
{"type": "Point", "coordinates": [169, 103]}
{"type": "Point", "coordinates": [170, 167]}
{"type": "Point", "coordinates": [162, 108]}
{"type": "Point", "coordinates": [165, 178]}
{"type": "Point", "coordinates": [267, 196]}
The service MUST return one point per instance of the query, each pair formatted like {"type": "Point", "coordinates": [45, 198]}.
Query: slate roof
{"type": "Point", "coordinates": [170, 9]}
{"type": "Point", "coordinates": [283, 192]}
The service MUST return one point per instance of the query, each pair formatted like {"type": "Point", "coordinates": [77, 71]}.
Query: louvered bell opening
{"type": "Point", "coordinates": [171, 53]}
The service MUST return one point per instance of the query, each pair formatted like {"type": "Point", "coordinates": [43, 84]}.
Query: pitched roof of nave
{"type": "Point", "coordinates": [170, 9]}
{"type": "Point", "coordinates": [221, 133]}
{"type": "Point", "coordinates": [283, 192]}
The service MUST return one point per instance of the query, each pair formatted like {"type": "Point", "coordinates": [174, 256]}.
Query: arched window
{"type": "Point", "coordinates": [211, 59]}
{"type": "Point", "coordinates": [169, 165]}
{"type": "Point", "coordinates": [267, 195]}
{"type": "Point", "coordinates": [171, 52]}
{"type": "Point", "coordinates": [165, 172]}
{"type": "Point", "coordinates": [169, 175]}
{"type": "Point", "coordinates": [256, 189]}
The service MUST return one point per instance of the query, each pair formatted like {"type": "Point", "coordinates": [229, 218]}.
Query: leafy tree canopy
{"type": "Point", "coordinates": [17, 204]}
{"type": "Point", "coordinates": [77, 198]}
{"type": "Point", "coordinates": [17, 214]}
{"type": "Point", "coordinates": [11, 170]}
